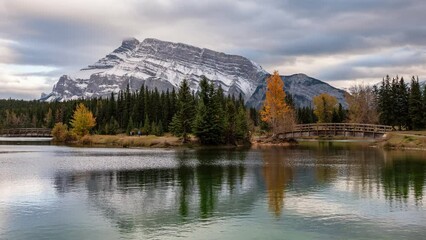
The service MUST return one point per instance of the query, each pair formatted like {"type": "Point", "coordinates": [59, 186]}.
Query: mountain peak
{"type": "Point", "coordinates": [302, 75]}
{"type": "Point", "coordinates": [131, 41]}
{"type": "Point", "coordinates": [163, 65]}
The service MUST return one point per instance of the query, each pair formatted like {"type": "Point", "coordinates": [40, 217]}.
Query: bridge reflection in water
{"type": "Point", "coordinates": [337, 129]}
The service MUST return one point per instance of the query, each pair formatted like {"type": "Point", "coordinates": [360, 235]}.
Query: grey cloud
{"type": "Point", "coordinates": [406, 61]}
{"type": "Point", "coordinates": [271, 32]}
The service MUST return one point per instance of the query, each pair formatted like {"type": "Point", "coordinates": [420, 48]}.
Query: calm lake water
{"type": "Point", "coordinates": [315, 191]}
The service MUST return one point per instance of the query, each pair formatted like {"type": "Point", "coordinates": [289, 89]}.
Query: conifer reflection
{"type": "Point", "coordinates": [403, 178]}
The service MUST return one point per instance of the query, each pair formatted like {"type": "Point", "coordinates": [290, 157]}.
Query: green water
{"type": "Point", "coordinates": [314, 191]}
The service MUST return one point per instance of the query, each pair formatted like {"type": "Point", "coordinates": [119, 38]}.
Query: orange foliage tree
{"type": "Point", "coordinates": [275, 111]}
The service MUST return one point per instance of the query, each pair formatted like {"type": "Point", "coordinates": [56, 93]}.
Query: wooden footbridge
{"type": "Point", "coordinates": [337, 129]}
{"type": "Point", "coordinates": [26, 132]}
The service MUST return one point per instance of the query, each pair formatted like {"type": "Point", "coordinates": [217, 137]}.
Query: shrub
{"type": "Point", "coordinates": [60, 132]}
{"type": "Point", "coordinates": [86, 140]}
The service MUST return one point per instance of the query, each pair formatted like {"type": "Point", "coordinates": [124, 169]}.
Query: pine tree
{"type": "Point", "coordinates": [216, 112]}
{"type": "Point", "coordinates": [242, 126]}
{"type": "Point", "coordinates": [424, 105]}
{"type": "Point", "coordinates": [201, 123]}
{"type": "Point", "coordinates": [146, 125]}
{"type": "Point", "coordinates": [402, 110]}
{"type": "Point", "coordinates": [182, 121]}
{"type": "Point", "coordinates": [48, 120]}
{"type": "Point", "coordinates": [160, 129]}
{"type": "Point", "coordinates": [415, 105]}
{"type": "Point", "coordinates": [209, 121]}
{"type": "Point", "coordinates": [230, 122]}
{"type": "Point", "coordinates": [154, 129]}
{"type": "Point", "coordinates": [130, 126]}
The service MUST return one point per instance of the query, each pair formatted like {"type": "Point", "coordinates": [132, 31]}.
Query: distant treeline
{"type": "Point", "coordinates": [400, 104]}
{"type": "Point", "coordinates": [147, 111]}
{"type": "Point", "coordinates": [215, 118]}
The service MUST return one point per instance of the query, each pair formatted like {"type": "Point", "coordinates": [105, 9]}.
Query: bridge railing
{"type": "Point", "coordinates": [352, 127]}
{"type": "Point", "coordinates": [26, 132]}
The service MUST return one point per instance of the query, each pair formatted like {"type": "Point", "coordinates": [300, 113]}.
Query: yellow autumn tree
{"type": "Point", "coordinates": [82, 120]}
{"type": "Point", "coordinates": [275, 111]}
{"type": "Point", "coordinates": [324, 105]}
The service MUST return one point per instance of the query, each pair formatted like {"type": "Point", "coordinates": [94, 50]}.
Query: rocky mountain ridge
{"type": "Point", "coordinates": [163, 65]}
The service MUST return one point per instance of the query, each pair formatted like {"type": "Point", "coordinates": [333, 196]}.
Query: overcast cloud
{"type": "Point", "coordinates": [337, 41]}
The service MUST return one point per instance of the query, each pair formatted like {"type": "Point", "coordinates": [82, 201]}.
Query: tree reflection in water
{"type": "Point", "coordinates": [204, 184]}
{"type": "Point", "coordinates": [404, 177]}
{"type": "Point", "coordinates": [277, 174]}
{"type": "Point", "coordinates": [211, 184]}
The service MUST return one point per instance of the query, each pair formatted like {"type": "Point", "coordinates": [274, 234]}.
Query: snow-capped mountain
{"type": "Point", "coordinates": [163, 65]}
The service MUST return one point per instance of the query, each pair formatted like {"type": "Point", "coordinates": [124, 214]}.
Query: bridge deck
{"type": "Point", "coordinates": [26, 132]}
{"type": "Point", "coordinates": [337, 129]}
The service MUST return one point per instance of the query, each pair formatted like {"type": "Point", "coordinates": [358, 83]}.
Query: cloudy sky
{"type": "Point", "coordinates": [340, 42]}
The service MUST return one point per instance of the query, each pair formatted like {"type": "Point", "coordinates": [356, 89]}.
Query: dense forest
{"type": "Point", "coordinates": [400, 104]}
{"type": "Point", "coordinates": [215, 118]}
{"type": "Point", "coordinates": [209, 114]}
{"type": "Point", "coordinates": [148, 110]}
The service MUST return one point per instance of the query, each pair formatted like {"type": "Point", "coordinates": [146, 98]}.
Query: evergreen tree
{"type": "Point", "coordinates": [290, 101]}
{"type": "Point", "coordinates": [154, 129]}
{"type": "Point", "coordinates": [160, 129]}
{"type": "Point", "coordinates": [130, 126]}
{"type": "Point", "coordinates": [146, 125]}
{"type": "Point", "coordinates": [181, 124]}
{"type": "Point", "coordinates": [230, 122]}
{"type": "Point", "coordinates": [402, 110]}
{"type": "Point", "coordinates": [49, 119]}
{"type": "Point", "coordinates": [424, 105]}
{"type": "Point", "coordinates": [383, 102]}
{"type": "Point", "coordinates": [242, 126]}
{"type": "Point", "coordinates": [415, 105]}
{"type": "Point", "coordinates": [209, 122]}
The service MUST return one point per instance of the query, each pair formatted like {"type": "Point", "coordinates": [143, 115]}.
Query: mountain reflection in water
{"type": "Point", "coordinates": [315, 188]}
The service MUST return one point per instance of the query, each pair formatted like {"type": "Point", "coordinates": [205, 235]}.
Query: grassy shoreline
{"type": "Point", "coordinates": [150, 141]}
{"type": "Point", "coordinates": [403, 140]}
{"type": "Point", "coordinates": [122, 140]}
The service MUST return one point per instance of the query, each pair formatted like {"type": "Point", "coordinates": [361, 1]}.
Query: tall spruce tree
{"type": "Point", "coordinates": [242, 126]}
{"type": "Point", "coordinates": [182, 121]}
{"type": "Point", "coordinates": [402, 109]}
{"type": "Point", "coordinates": [230, 122]}
{"type": "Point", "coordinates": [424, 105]}
{"type": "Point", "coordinates": [415, 105]}
{"type": "Point", "coordinates": [209, 122]}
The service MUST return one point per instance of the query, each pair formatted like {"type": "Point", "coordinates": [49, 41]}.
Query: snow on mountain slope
{"type": "Point", "coordinates": [163, 65]}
